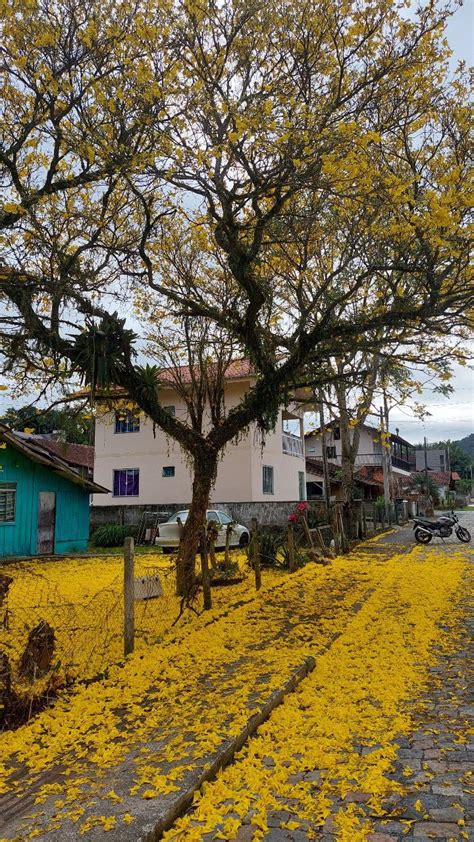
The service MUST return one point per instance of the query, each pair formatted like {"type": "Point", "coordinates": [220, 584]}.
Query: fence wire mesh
{"type": "Point", "coordinates": [61, 621]}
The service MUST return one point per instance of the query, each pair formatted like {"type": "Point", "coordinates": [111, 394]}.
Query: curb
{"type": "Point", "coordinates": [154, 832]}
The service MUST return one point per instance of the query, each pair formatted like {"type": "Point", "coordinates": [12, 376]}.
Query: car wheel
{"type": "Point", "coordinates": [244, 540]}
{"type": "Point", "coordinates": [167, 550]}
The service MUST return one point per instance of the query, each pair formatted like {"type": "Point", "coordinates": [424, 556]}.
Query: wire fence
{"type": "Point", "coordinates": [63, 621]}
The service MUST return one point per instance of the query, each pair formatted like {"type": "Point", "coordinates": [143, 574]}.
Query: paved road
{"type": "Point", "coordinates": [403, 535]}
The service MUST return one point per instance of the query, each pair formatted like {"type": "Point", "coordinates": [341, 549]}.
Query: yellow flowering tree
{"type": "Point", "coordinates": [251, 166]}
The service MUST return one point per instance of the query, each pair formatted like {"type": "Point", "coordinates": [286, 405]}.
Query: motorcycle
{"type": "Point", "coordinates": [443, 527]}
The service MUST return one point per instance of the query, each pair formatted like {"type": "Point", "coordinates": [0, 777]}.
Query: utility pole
{"type": "Point", "coordinates": [327, 486]}
{"type": "Point", "coordinates": [425, 471]}
{"type": "Point", "coordinates": [385, 467]}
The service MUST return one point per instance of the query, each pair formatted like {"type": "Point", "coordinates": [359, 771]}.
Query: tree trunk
{"type": "Point", "coordinates": [347, 477]}
{"type": "Point", "coordinates": [205, 468]}
{"type": "Point", "coordinates": [349, 451]}
{"type": "Point", "coordinates": [212, 535]}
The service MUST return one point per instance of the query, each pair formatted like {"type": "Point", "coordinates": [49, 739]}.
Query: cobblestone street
{"type": "Point", "coordinates": [434, 763]}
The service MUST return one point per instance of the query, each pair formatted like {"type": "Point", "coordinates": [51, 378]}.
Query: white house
{"type": "Point", "coordinates": [370, 448]}
{"type": "Point", "coordinates": [369, 458]}
{"type": "Point", "coordinates": [150, 469]}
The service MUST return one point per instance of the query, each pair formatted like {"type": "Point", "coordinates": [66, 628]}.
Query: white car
{"type": "Point", "coordinates": [169, 532]}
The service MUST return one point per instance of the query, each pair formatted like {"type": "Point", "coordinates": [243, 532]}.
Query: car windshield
{"type": "Point", "coordinates": [225, 518]}
{"type": "Point", "coordinates": [181, 515]}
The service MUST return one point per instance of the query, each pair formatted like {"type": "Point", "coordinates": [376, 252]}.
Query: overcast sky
{"type": "Point", "coordinates": [451, 417]}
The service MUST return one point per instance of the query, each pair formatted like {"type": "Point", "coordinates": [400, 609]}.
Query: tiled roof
{"type": "Point", "coordinates": [81, 455]}
{"type": "Point", "coordinates": [442, 478]}
{"type": "Point", "coordinates": [236, 370]}
{"type": "Point", "coordinates": [317, 467]}
{"type": "Point", "coordinates": [371, 474]}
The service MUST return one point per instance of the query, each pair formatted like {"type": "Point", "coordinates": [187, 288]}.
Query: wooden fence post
{"type": "Point", "coordinates": [227, 546]}
{"type": "Point", "coordinates": [256, 554]}
{"type": "Point", "coordinates": [128, 596]}
{"type": "Point", "coordinates": [291, 549]}
{"type": "Point", "coordinates": [309, 537]}
{"type": "Point", "coordinates": [206, 579]}
{"type": "Point", "coordinates": [335, 530]}
{"type": "Point", "coordinates": [211, 543]}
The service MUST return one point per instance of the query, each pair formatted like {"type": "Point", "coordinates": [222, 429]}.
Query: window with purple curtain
{"type": "Point", "coordinates": [127, 482]}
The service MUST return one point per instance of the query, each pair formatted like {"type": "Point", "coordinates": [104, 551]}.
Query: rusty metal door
{"type": "Point", "coordinates": [46, 522]}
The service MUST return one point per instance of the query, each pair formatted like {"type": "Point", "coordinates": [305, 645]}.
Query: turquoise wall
{"type": "Point", "coordinates": [72, 507]}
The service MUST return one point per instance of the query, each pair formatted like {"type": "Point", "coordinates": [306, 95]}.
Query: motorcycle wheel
{"type": "Point", "coordinates": [463, 534]}
{"type": "Point", "coordinates": [422, 537]}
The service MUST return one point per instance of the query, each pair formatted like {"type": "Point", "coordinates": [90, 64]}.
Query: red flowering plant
{"type": "Point", "coordinates": [299, 513]}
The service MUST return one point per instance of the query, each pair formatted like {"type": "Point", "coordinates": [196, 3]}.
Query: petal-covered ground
{"type": "Point", "coordinates": [115, 754]}
{"type": "Point", "coordinates": [331, 748]}
{"type": "Point", "coordinates": [82, 600]}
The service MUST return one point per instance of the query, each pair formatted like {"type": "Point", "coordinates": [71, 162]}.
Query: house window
{"type": "Point", "coordinates": [168, 471]}
{"type": "Point", "coordinates": [331, 451]}
{"type": "Point", "coordinates": [311, 450]}
{"type": "Point", "coordinates": [126, 422]}
{"type": "Point", "coordinates": [7, 502]}
{"type": "Point", "coordinates": [171, 410]}
{"type": "Point", "coordinates": [301, 485]}
{"type": "Point", "coordinates": [441, 461]}
{"type": "Point", "coordinates": [267, 479]}
{"type": "Point", "coordinates": [337, 433]}
{"type": "Point", "coordinates": [314, 489]}
{"type": "Point", "coordinates": [127, 482]}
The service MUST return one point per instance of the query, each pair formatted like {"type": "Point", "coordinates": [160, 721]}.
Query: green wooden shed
{"type": "Point", "coordinates": [44, 501]}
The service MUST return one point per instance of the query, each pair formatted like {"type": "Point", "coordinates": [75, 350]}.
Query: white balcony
{"type": "Point", "coordinates": [374, 459]}
{"type": "Point", "coordinates": [292, 445]}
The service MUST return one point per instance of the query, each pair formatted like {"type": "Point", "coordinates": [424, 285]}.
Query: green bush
{"type": "Point", "coordinates": [112, 535]}
{"type": "Point", "coordinates": [273, 547]}
{"type": "Point", "coordinates": [269, 540]}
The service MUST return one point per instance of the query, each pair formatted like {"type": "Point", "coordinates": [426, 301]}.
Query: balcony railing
{"type": "Point", "coordinates": [375, 460]}
{"type": "Point", "coordinates": [292, 445]}
{"type": "Point", "coordinates": [403, 464]}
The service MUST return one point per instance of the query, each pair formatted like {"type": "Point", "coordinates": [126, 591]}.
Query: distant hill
{"type": "Point", "coordinates": [467, 444]}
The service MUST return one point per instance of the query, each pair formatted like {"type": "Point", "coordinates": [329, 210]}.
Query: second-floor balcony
{"type": "Point", "coordinates": [375, 460]}
{"type": "Point", "coordinates": [403, 464]}
{"type": "Point", "coordinates": [292, 445]}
